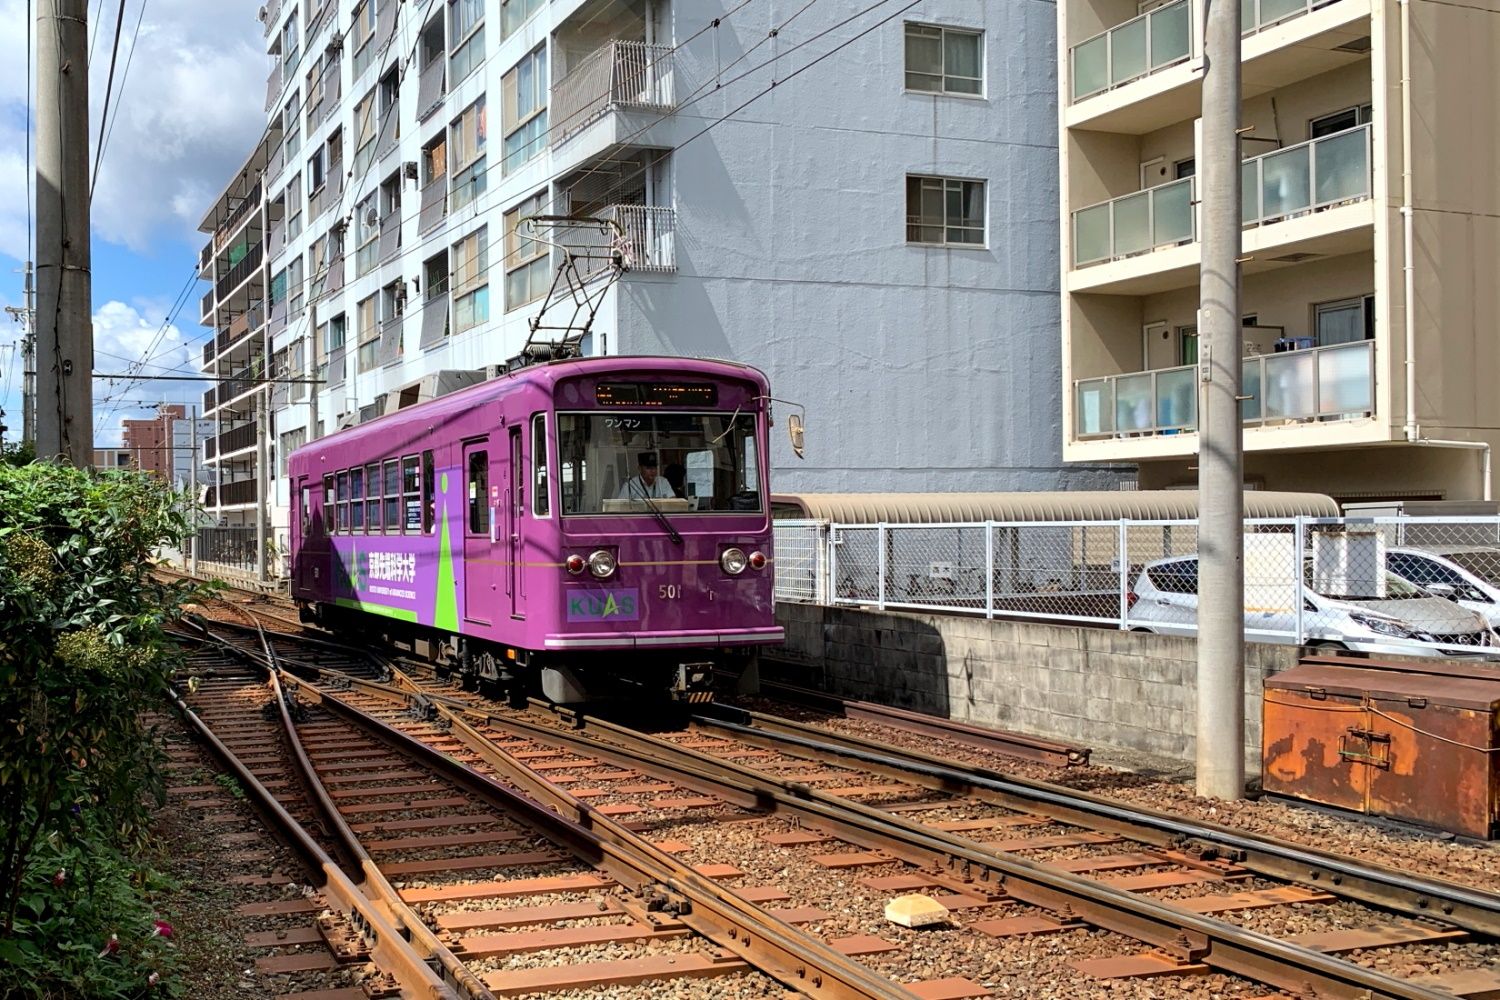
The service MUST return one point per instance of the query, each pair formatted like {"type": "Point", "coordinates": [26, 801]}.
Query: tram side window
{"type": "Point", "coordinates": [343, 494]}
{"type": "Point", "coordinates": [539, 501]}
{"type": "Point", "coordinates": [429, 490]}
{"type": "Point", "coordinates": [306, 512]}
{"type": "Point", "coordinates": [479, 493]}
{"type": "Point", "coordinates": [328, 508]}
{"type": "Point", "coordinates": [356, 499]}
{"type": "Point", "coordinates": [411, 498]}
{"type": "Point", "coordinates": [392, 496]}
{"type": "Point", "coordinates": [372, 501]}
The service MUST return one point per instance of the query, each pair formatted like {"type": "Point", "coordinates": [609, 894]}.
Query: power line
{"type": "Point", "coordinates": [109, 86]}
{"type": "Point", "coordinates": [124, 78]}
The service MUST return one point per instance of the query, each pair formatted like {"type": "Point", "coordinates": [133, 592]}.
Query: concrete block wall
{"type": "Point", "coordinates": [1096, 687]}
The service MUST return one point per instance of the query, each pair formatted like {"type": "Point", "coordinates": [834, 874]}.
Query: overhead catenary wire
{"type": "Point", "coordinates": [109, 85]}
{"type": "Point", "coordinates": [124, 79]}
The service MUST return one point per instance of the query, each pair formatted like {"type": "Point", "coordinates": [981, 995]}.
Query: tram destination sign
{"type": "Point", "coordinates": [675, 394]}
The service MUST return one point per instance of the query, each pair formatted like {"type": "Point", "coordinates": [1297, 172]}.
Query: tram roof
{"type": "Point", "coordinates": [1097, 505]}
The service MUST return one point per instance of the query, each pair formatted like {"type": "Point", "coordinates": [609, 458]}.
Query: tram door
{"type": "Point", "coordinates": [479, 535]}
{"type": "Point", "coordinates": [515, 509]}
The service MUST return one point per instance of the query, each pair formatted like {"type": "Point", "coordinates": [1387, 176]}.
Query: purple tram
{"type": "Point", "coordinates": [582, 527]}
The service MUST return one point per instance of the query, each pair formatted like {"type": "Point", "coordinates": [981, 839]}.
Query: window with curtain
{"type": "Point", "coordinates": [527, 270]}
{"type": "Point", "coordinates": [514, 13]}
{"type": "Point", "coordinates": [466, 141]}
{"type": "Point", "coordinates": [944, 60]}
{"type": "Point", "coordinates": [524, 109]}
{"type": "Point", "coordinates": [1345, 322]}
{"type": "Point", "coordinates": [469, 274]}
{"type": "Point", "coordinates": [362, 27]}
{"type": "Point", "coordinates": [944, 211]}
{"type": "Point", "coordinates": [466, 35]}
{"type": "Point", "coordinates": [369, 331]}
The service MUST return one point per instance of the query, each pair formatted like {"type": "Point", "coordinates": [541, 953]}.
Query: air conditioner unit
{"type": "Point", "coordinates": [409, 170]}
{"type": "Point", "coordinates": [371, 216]}
{"type": "Point", "coordinates": [335, 44]}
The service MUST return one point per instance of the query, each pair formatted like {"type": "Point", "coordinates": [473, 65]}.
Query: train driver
{"type": "Point", "coordinates": [649, 483]}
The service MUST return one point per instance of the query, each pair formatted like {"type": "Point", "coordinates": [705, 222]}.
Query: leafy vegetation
{"type": "Point", "coordinates": [84, 660]}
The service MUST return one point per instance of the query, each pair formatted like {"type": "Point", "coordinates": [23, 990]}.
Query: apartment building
{"type": "Point", "coordinates": [1371, 232]}
{"type": "Point", "coordinates": [877, 233]}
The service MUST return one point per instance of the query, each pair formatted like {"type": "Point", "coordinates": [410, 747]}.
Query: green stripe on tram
{"type": "Point", "coordinates": [376, 609]}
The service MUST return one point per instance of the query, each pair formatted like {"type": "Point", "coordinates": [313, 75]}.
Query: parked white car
{"type": "Point", "coordinates": [1466, 574]}
{"type": "Point", "coordinates": [1165, 600]}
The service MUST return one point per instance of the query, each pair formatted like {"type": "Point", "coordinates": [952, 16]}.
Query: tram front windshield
{"type": "Point", "coordinates": [704, 462]}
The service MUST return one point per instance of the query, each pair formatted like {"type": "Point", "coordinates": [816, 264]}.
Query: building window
{"type": "Point", "coordinates": [944, 210]}
{"type": "Point", "coordinates": [466, 29]}
{"type": "Point", "coordinates": [1347, 321]}
{"type": "Point", "coordinates": [514, 13]}
{"type": "Point", "coordinates": [466, 142]}
{"type": "Point", "coordinates": [364, 133]}
{"type": "Point", "coordinates": [1339, 121]}
{"type": "Point", "coordinates": [362, 25]}
{"type": "Point", "coordinates": [944, 60]}
{"type": "Point", "coordinates": [335, 335]}
{"type": "Point", "coordinates": [366, 235]}
{"type": "Point", "coordinates": [369, 332]}
{"type": "Point", "coordinates": [526, 260]}
{"type": "Point", "coordinates": [469, 273]}
{"type": "Point", "coordinates": [523, 92]}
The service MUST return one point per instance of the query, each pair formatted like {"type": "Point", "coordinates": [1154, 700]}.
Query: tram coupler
{"type": "Point", "coordinates": [693, 683]}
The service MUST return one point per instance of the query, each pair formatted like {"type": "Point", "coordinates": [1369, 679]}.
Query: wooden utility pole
{"type": "Point", "coordinates": [64, 327]}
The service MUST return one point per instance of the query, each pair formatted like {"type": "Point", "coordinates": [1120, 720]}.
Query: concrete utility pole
{"type": "Point", "coordinates": [263, 479]}
{"type": "Point", "coordinates": [26, 316]}
{"type": "Point", "coordinates": [193, 490]}
{"type": "Point", "coordinates": [1221, 502]}
{"type": "Point", "coordinates": [65, 336]}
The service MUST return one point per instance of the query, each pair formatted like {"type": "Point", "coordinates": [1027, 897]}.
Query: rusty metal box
{"type": "Point", "coordinates": [1409, 741]}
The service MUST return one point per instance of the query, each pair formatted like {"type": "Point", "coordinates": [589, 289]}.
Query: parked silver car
{"type": "Point", "coordinates": [1165, 600]}
{"type": "Point", "coordinates": [1467, 574]}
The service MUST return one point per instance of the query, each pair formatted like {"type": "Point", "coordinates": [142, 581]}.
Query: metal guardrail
{"type": "Point", "coordinates": [1142, 575]}
{"type": "Point", "coordinates": [1320, 173]}
{"type": "Point", "coordinates": [620, 73]}
{"type": "Point", "coordinates": [1129, 51]}
{"type": "Point", "coordinates": [1319, 383]}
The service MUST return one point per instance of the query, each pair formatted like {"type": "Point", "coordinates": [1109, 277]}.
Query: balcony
{"type": "Point", "coordinates": [619, 75]}
{"type": "Point", "coordinates": [273, 14]}
{"type": "Point", "coordinates": [1288, 388]}
{"type": "Point", "coordinates": [206, 309]}
{"type": "Point", "coordinates": [646, 238]}
{"type": "Point", "coordinates": [1139, 47]}
{"type": "Point", "coordinates": [205, 258]}
{"type": "Point", "coordinates": [1309, 177]}
{"type": "Point", "coordinates": [273, 87]}
{"type": "Point", "coordinates": [242, 270]}
{"type": "Point", "coordinates": [1136, 223]}
{"type": "Point", "coordinates": [434, 204]}
{"type": "Point", "coordinates": [231, 494]}
{"type": "Point", "coordinates": [431, 87]}
{"type": "Point", "coordinates": [241, 438]}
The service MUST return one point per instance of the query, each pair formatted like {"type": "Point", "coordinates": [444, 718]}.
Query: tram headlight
{"type": "Point", "coordinates": [757, 560]}
{"type": "Point", "coordinates": [733, 561]}
{"type": "Point", "coordinates": [575, 564]}
{"type": "Point", "coordinates": [602, 564]}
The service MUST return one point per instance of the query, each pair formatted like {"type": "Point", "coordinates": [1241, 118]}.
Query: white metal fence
{"type": "Point", "coordinates": [1419, 585]}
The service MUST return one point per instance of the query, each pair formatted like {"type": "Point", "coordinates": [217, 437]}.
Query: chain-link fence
{"type": "Point", "coordinates": [1381, 585]}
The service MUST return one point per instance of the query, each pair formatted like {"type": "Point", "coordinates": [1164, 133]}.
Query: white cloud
{"type": "Point", "coordinates": [121, 332]}
{"type": "Point", "coordinates": [189, 112]}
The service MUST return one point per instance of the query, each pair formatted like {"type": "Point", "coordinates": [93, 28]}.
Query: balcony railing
{"type": "Point", "coordinates": [1139, 47]}
{"type": "Point", "coordinates": [205, 258]}
{"type": "Point", "coordinates": [1324, 172]}
{"type": "Point", "coordinates": [1121, 227]}
{"type": "Point", "coordinates": [430, 87]}
{"type": "Point", "coordinates": [273, 87]}
{"type": "Point", "coordinates": [229, 495]}
{"type": "Point", "coordinates": [390, 233]}
{"type": "Point", "coordinates": [273, 12]}
{"type": "Point", "coordinates": [434, 204]}
{"type": "Point", "coordinates": [647, 239]}
{"type": "Point", "coordinates": [1321, 383]}
{"type": "Point", "coordinates": [206, 308]}
{"type": "Point", "coordinates": [241, 271]}
{"type": "Point", "coordinates": [226, 229]}
{"type": "Point", "coordinates": [1256, 15]}
{"type": "Point", "coordinates": [238, 439]}
{"type": "Point", "coordinates": [618, 74]}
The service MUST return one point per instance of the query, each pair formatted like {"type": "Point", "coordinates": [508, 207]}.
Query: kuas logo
{"type": "Point", "coordinates": [604, 605]}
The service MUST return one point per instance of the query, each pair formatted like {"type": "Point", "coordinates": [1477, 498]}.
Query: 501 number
{"type": "Point", "coordinates": [669, 591]}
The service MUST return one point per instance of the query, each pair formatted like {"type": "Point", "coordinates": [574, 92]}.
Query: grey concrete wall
{"type": "Point", "coordinates": [1096, 687]}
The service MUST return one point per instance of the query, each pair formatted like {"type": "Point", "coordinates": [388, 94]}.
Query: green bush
{"type": "Point", "coordinates": [83, 660]}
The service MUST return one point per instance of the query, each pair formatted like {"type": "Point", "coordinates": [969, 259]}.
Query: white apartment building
{"type": "Point", "coordinates": [1371, 233]}
{"type": "Point", "coordinates": [876, 232]}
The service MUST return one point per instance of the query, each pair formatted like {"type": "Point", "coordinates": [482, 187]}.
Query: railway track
{"type": "Point", "coordinates": [816, 823]}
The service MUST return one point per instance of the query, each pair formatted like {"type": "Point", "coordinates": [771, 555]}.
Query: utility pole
{"type": "Point", "coordinates": [310, 368]}
{"type": "Point", "coordinates": [26, 316]}
{"type": "Point", "coordinates": [65, 339]}
{"type": "Point", "coordinates": [1221, 501]}
{"type": "Point", "coordinates": [193, 490]}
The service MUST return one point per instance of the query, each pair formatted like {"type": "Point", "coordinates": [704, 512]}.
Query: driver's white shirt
{"type": "Point", "coordinates": [635, 488]}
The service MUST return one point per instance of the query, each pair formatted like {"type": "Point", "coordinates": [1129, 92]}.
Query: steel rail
{"type": "Point", "coordinates": [389, 950]}
{"type": "Point", "coordinates": [1415, 895]}
{"type": "Point", "coordinates": [1186, 936]}
{"type": "Point", "coordinates": [775, 948]}
{"type": "Point", "coordinates": [998, 740]}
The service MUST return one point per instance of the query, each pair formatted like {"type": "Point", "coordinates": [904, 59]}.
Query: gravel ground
{"type": "Point", "coordinates": [1416, 851]}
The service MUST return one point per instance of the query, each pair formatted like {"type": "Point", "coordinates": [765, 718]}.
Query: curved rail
{"type": "Point", "coordinates": [1415, 895]}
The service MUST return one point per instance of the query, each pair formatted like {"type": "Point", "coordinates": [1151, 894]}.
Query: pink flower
{"type": "Point", "coordinates": [161, 928]}
{"type": "Point", "coordinates": [112, 946]}
{"type": "Point", "coordinates": [60, 877]}
{"type": "Point", "coordinates": [153, 979]}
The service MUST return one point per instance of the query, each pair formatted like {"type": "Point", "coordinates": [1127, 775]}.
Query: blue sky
{"type": "Point", "coordinates": [189, 110]}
